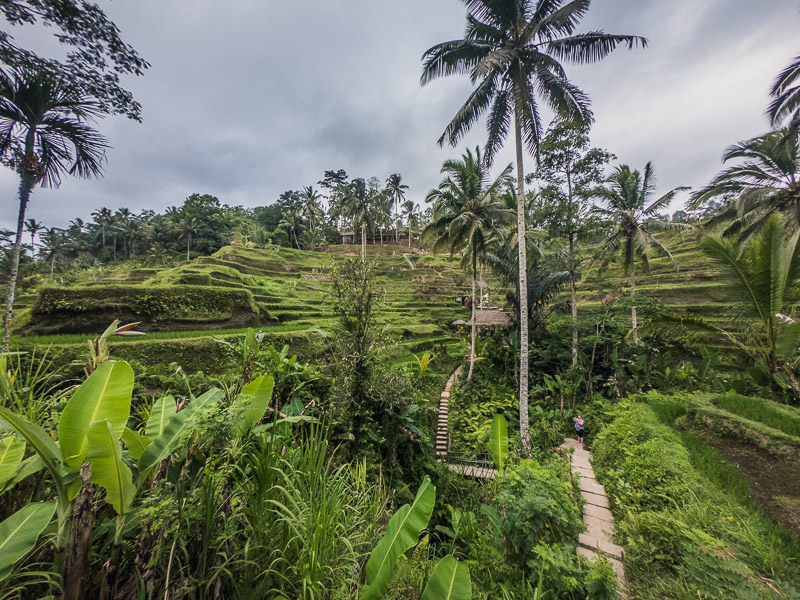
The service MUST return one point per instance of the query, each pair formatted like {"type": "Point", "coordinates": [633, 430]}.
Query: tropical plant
{"type": "Point", "coordinates": [104, 218]}
{"type": "Point", "coordinates": [449, 580]}
{"type": "Point", "coordinates": [44, 134]}
{"type": "Point", "coordinates": [626, 196]}
{"type": "Point", "coordinates": [512, 50]}
{"type": "Point", "coordinates": [33, 227]}
{"type": "Point", "coordinates": [396, 190]}
{"type": "Point", "coordinates": [785, 106]}
{"type": "Point", "coordinates": [292, 222]}
{"type": "Point", "coordinates": [358, 206]}
{"type": "Point", "coordinates": [498, 441]}
{"type": "Point", "coordinates": [467, 217]}
{"type": "Point", "coordinates": [410, 210]}
{"type": "Point", "coordinates": [55, 243]}
{"type": "Point", "coordinates": [569, 168]}
{"type": "Point", "coordinates": [186, 228]}
{"type": "Point", "coordinates": [310, 208]}
{"type": "Point", "coordinates": [764, 278]}
{"type": "Point", "coordinates": [767, 181]}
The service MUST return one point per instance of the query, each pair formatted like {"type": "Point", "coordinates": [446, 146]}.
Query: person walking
{"type": "Point", "coordinates": [579, 428]}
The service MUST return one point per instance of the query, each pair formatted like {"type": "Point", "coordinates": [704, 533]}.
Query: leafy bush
{"type": "Point", "coordinates": [541, 505]}
{"type": "Point", "coordinates": [684, 537]}
{"type": "Point", "coordinates": [87, 310]}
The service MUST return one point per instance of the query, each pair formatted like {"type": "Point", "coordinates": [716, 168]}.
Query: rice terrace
{"type": "Point", "coordinates": [455, 300]}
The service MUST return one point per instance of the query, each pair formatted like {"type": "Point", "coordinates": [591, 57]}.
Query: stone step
{"type": "Point", "coordinates": [598, 512]}
{"type": "Point", "coordinates": [602, 530]}
{"type": "Point", "coordinates": [596, 499]}
{"type": "Point", "coordinates": [584, 472]}
{"type": "Point", "coordinates": [597, 522]}
{"type": "Point", "coordinates": [445, 395]}
{"type": "Point", "coordinates": [590, 485]}
{"type": "Point", "coordinates": [600, 544]}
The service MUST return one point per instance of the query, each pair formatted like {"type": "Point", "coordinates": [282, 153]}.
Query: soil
{"type": "Point", "coordinates": [774, 483]}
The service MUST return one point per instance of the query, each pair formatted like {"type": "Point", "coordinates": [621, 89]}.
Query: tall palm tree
{"type": "Point", "coordinates": [785, 106]}
{"type": "Point", "coordinates": [44, 134]}
{"type": "Point", "coordinates": [512, 50]}
{"type": "Point", "coordinates": [310, 208]}
{"type": "Point", "coordinates": [626, 195]}
{"type": "Point", "coordinates": [292, 222]}
{"type": "Point", "coordinates": [467, 216]}
{"type": "Point", "coordinates": [766, 181]}
{"type": "Point", "coordinates": [104, 218]}
{"type": "Point", "coordinates": [55, 242]}
{"type": "Point", "coordinates": [130, 227]}
{"type": "Point", "coordinates": [381, 210]}
{"type": "Point", "coordinates": [33, 227]}
{"type": "Point", "coordinates": [186, 228]}
{"type": "Point", "coordinates": [410, 209]}
{"type": "Point", "coordinates": [397, 192]}
{"type": "Point", "coordinates": [358, 208]}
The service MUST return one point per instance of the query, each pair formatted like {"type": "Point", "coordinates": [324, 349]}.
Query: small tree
{"type": "Point", "coordinates": [44, 134]}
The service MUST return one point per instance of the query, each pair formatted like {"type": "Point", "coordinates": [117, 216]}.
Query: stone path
{"type": "Point", "coordinates": [597, 518]}
{"type": "Point", "coordinates": [443, 441]}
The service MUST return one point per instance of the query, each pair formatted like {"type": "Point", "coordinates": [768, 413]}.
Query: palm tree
{"type": "Point", "coordinates": [104, 218]}
{"type": "Point", "coordinates": [55, 242]}
{"type": "Point", "coordinates": [785, 106]}
{"type": "Point", "coordinates": [381, 210]}
{"type": "Point", "coordinates": [44, 134]}
{"type": "Point", "coordinates": [467, 215]}
{"type": "Point", "coordinates": [33, 227]}
{"type": "Point", "coordinates": [185, 228]}
{"type": "Point", "coordinates": [765, 182]}
{"type": "Point", "coordinates": [410, 212]}
{"type": "Point", "coordinates": [358, 208]}
{"type": "Point", "coordinates": [310, 207]}
{"type": "Point", "coordinates": [292, 222]}
{"type": "Point", "coordinates": [627, 195]}
{"type": "Point", "coordinates": [130, 227]}
{"type": "Point", "coordinates": [512, 50]}
{"type": "Point", "coordinates": [764, 277]}
{"type": "Point", "coordinates": [396, 190]}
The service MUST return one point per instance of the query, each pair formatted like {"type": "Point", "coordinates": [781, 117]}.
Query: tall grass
{"type": "Point", "coordinates": [768, 412]}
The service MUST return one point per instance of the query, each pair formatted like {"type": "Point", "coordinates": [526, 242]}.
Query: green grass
{"type": "Point", "coordinates": [768, 412]}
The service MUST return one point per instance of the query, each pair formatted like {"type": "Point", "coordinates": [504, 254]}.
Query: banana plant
{"type": "Point", "coordinates": [450, 579]}
{"type": "Point", "coordinates": [92, 421]}
{"type": "Point", "coordinates": [19, 532]}
{"type": "Point", "coordinates": [498, 441]}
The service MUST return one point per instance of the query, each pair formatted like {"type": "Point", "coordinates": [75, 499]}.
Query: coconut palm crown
{"type": "Point", "coordinates": [766, 181]}
{"type": "Point", "coordinates": [44, 134]}
{"type": "Point", "coordinates": [785, 92]}
{"type": "Point", "coordinates": [512, 50]}
{"type": "Point", "coordinates": [626, 195]}
{"type": "Point", "coordinates": [467, 216]}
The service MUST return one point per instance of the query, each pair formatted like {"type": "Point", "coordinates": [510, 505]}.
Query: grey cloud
{"type": "Point", "coordinates": [247, 98]}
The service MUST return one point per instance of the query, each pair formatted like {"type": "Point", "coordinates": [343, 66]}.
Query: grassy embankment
{"type": "Point", "coordinates": [285, 292]}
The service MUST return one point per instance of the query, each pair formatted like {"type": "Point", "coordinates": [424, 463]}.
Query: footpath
{"type": "Point", "coordinates": [597, 518]}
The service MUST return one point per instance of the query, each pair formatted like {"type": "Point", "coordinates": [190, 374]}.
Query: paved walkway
{"type": "Point", "coordinates": [443, 441]}
{"type": "Point", "coordinates": [597, 518]}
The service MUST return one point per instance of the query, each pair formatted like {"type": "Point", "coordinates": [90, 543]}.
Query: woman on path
{"type": "Point", "coordinates": [579, 428]}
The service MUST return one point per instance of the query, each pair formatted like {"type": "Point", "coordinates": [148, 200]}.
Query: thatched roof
{"type": "Point", "coordinates": [492, 318]}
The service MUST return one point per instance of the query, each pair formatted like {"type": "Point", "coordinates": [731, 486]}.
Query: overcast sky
{"type": "Point", "coordinates": [248, 98]}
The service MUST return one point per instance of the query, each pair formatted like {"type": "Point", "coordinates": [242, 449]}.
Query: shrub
{"type": "Point", "coordinates": [541, 504]}
{"type": "Point", "coordinates": [89, 310]}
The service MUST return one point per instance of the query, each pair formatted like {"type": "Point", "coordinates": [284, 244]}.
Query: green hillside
{"type": "Point", "coordinates": [283, 291]}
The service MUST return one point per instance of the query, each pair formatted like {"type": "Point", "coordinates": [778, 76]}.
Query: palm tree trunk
{"type": "Point", "coordinates": [380, 229]}
{"type": "Point", "coordinates": [52, 266]}
{"type": "Point", "coordinates": [409, 232]}
{"type": "Point", "coordinates": [364, 242]}
{"type": "Point", "coordinates": [26, 183]}
{"type": "Point", "coordinates": [474, 329]}
{"type": "Point", "coordinates": [572, 286]}
{"type": "Point", "coordinates": [397, 222]}
{"type": "Point", "coordinates": [188, 245]}
{"type": "Point", "coordinates": [523, 284]}
{"type": "Point", "coordinates": [633, 307]}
